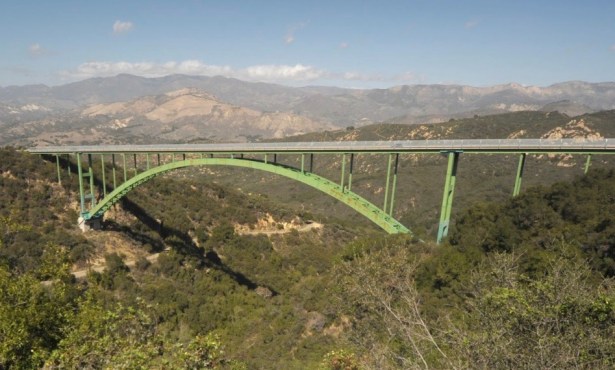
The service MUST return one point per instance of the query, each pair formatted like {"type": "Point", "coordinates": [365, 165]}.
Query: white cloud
{"type": "Point", "coordinates": [471, 24]}
{"type": "Point", "coordinates": [36, 50]}
{"type": "Point", "coordinates": [282, 72]}
{"type": "Point", "coordinates": [290, 74]}
{"type": "Point", "coordinates": [273, 73]}
{"type": "Point", "coordinates": [344, 45]}
{"type": "Point", "coordinates": [121, 27]}
{"type": "Point", "coordinates": [290, 34]}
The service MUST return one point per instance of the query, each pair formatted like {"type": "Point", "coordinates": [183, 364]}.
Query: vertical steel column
{"type": "Point", "coordinates": [265, 158]}
{"type": "Point", "coordinates": [158, 156]}
{"type": "Point", "coordinates": [343, 171]}
{"type": "Point", "coordinates": [275, 157]}
{"type": "Point", "coordinates": [68, 165]}
{"type": "Point", "coordinates": [80, 174]}
{"type": "Point", "coordinates": [588, 163]}
{"type": "Point", "coordinates": [113, 169]}
{"type": "Point", "coordinates": [147, 161]}
{"type": "Point", "coordinates": [311, 162]}
{"type": "Point", "coordinates": [350, 172]}
{"type": "Point", "coordinates": [386, 187]}
{"type": "Point", "coordinates": [393, 187]}
{"type": "Point", "coordinates": [184, 156]}
{"type": "Point", "coordinates": [58, 167]}
{"type": "Point", "coordinates": [134, 157]}
{"type": "Point", "coordinates": [519, 177]}
{"type": "Point", "coordinates": [447, 197]}
{"type": "Point", "coordinates": [125, 170]}
{"type": "Point", "coordinates": [104, 180]}
{"type": "Point", "coordinates": [91, 172]}
{"type": "Point", "coordinates": [302, 162]}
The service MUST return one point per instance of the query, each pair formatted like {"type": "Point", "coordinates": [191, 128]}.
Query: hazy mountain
{"type": "Point", "coordinates": [567, 107]}
{"type": "Point", "coordinates": [341, 107]}
{"type": "Point", "coordinates": [124, 87]}
{"type": "Point", "coordinates": [178, 116]}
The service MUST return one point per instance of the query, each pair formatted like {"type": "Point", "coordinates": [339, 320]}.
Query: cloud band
{"type": "Point", "coordinates": [265, 73]}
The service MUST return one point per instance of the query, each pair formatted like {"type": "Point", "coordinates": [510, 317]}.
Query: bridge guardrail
{"type": "Point", "coordinates": [341, 146]}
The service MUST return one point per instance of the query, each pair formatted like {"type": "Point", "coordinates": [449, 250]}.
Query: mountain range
{"type": "Point", "coordinates": [183, 108]}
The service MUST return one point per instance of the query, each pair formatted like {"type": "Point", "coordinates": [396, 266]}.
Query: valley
{"type": "Point", "coordinates": [234, 268]}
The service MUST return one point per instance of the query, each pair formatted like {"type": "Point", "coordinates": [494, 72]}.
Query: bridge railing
{"type": "Point", "coordinates": [349, 146]}
{"type": "Point", "coordinates": [461, 144]}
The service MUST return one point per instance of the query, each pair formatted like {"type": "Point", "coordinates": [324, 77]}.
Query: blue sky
{"type": "Point", "coordinates": [362, 44]}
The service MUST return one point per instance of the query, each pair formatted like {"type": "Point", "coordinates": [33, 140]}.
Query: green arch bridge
{"type": "Point", "coordinates": [149, 161]}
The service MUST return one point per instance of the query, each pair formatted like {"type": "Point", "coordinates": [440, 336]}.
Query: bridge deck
{"type": "Point", "coordinates": [406, 146]}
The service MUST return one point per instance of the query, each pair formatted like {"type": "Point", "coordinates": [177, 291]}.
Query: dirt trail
{"type": "Point", "coordinates": [301, 229]}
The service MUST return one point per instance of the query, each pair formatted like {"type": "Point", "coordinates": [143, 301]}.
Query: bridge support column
{"type": "Point", "coordinates": [343, 172]}
{"type": "Point", "coordinates": [350, 172]}
{"type": "Point", "coordinates": [519, 177]}
{"type": "Point", "coordinates": [81, 191]}
{"type": "Point", "coordinates": [92, 194]}
{"type": "Point", "coordinates": [113, 170]}
{"type": "Point", "coordinates": [311, 162]}
{"type": "Point", "coordinates": [447, 197]}
{"type": "Point", "coordinates": [386, 186]}
{"type": "Point", "coordinates": [58, 167]}
{"type": "Point", "coordinates": [302, 162]}
{"type": "Point", "coordinates": [124, 166]}
{"type": "Point", "coordinates": [394, 185]}
{"type": "Point", "coordinates": [134, 157]}
{"type": "Point", "coordinates": [91, 224]}
{"type": "Point", "coordinates": [70, 175]}
{"type": "Point", "coordinates": [104, 180]}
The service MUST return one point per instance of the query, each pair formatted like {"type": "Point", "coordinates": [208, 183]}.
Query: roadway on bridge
{"type": "Point", "coordinates": [406, 146]}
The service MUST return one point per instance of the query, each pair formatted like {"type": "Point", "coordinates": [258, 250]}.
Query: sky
{"type": "Point", "coordinates": [354, 44]}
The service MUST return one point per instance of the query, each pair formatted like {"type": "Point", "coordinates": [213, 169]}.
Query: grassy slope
{"type": "Point", "coordinates": [263, 296]}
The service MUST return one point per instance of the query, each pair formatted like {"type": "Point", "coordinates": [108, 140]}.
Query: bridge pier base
{"type": "Point", "coordinates": [91, 224]}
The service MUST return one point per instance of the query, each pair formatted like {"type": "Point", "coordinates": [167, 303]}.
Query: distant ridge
{"type": "Point", "coordinates": [338, 106]}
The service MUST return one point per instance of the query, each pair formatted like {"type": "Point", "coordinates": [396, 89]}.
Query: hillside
{"type": "Point", "coordinates": [206, 277]}
{"type": "Point", "coordinates": [177, 116]}
{"type": "Point", "coordinates": [421, 177]}
{"type": "Point", "coordinates": [523, 271]}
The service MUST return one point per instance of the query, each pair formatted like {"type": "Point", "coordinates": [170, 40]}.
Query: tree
{"type": "Point", "coordinates": [562, 316]}
{"type": "Point", "coordinates": [125, 337]}
{"type": "Point", "coordinates": [33, 314]}
{"type": "Point", "coordinates": [379, 292]}
{"type": "Point", "coordinates": [563, 319]}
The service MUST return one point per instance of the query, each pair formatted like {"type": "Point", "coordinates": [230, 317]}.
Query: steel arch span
{"type": "Point", "coordinates": [351, 199]}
